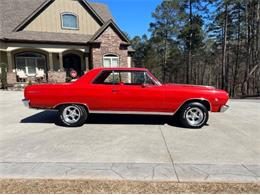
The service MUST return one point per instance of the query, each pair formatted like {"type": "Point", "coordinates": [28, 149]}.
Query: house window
{"type": "Point", "coordinates": [69, 21]}
{"type": "Point", "coordinates": [30, 62]}
{"type": "Point", "coordinates": [110, 60]}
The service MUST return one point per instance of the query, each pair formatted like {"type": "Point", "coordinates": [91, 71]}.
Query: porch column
{"type": "Point", "coordinates": [55, 76]}
{"type": "Point", "coordinates": [87, 58]}
{"type": "Point", "coordinates": [61, 61]}
{"type": "Point", "coordinates": [11, 76]}
{"type": "Point", "coordinates": [51, 61]}
{"type": "Point", "coordinates": [9, 62]}
{"type": "Point", "coordinates": [86, 61]}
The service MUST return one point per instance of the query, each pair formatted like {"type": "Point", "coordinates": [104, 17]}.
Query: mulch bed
{"type": "Point", "coordinates": [93, 186]}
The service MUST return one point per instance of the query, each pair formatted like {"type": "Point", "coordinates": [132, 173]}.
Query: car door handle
{"type": "Point", "coordinates": [115, 90]}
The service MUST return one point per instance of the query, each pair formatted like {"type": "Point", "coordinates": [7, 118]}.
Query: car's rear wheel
{"type": "Point", "coordinates": [194, 115]}
{"type": "Point", "coordinates": [73, 115]}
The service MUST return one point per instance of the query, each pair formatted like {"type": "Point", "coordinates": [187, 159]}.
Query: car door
{"type": "Point", "coordinates": [101, 92]}
{"type": "Point", "coordinates": [133, 94]}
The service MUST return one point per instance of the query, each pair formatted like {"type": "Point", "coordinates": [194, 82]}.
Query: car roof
{"type": "Point", "coordinates": [122, 68]}
{"type": "Point", "coordinates": [90, 75]}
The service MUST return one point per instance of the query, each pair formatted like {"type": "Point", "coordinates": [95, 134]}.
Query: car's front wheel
{"type": "Point", "coordinates": [73, 115]}
{"type": "Point", "coordinates": [194, 115]}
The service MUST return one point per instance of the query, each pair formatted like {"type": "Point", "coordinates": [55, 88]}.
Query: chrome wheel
{"type": "Point", "coordinates": [71, 114]}
{"type": "Point", "coordinates": [194, 116]}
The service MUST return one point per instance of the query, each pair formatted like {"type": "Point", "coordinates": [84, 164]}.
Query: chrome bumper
{"type": "Point", "coordinates": [26, 103]}
{"type": "Point", "coordinates": [224, 108]}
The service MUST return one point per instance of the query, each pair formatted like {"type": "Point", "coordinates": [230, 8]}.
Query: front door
{"type": "Point", "coordinates": [128, 91]}
{"type": "Point", "coordinates": [72, 65]}
{"type": "Point", "coordinates": [136, 92]}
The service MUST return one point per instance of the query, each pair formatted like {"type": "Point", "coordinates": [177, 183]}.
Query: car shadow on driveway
{"type": "Point", "coordinates": [49, 116]}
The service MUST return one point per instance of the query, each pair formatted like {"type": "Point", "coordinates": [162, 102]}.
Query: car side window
{"type": "Point", "coordinates": [113, 78]}
{"type": "Point", "coordinates": [124, 77]}
{"type": "Point", "coordinates": [104, 76]}
{"type": "Point", "coordinates": [107, 77]}
{"type": "Point", "coordinates": [138, 78]}
{"type": "Point", "coordinates": [135, 78]}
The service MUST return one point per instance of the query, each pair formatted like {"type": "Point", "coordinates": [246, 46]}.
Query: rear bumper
{"type": "Point", "coordinates": [26, 103]}
{"type": "Point", "coordinates": [224, 108]}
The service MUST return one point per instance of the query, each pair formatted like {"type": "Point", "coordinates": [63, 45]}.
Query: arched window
{"type": "Point", "coordinates": [30, 62]}
{"type": "Point", "coordinates": [69, 21]}
{"type": "Point", "coordinates": [110, 60]}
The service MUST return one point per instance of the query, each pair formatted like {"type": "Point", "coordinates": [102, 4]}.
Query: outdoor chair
{"type": "Point", "coordinates": [22, 77]}
{"type": "Point", "coordinates": [40, 75]}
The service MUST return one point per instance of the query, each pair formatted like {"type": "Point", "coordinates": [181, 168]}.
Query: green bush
{"type": "Point", "coordinates": [3, 75]}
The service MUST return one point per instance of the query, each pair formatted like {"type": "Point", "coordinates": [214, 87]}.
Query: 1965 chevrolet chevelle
{"type": "Point", "coordinates": [126, 91]}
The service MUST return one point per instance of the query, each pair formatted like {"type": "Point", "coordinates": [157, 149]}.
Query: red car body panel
{"type": "Point", "coordinates": [164, 99]}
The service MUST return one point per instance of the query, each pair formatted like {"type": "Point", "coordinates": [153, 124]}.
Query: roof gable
{"type": "Point", "coordinates": [33, 15]}
{"type": "Point", "coordinates": [14, 13]}
{"type": "Point", "coordinates": [50, 19]}
{"type": "Point", "coordinates": [87, 6]}
{"type": "Point", "coordinates": [112, 24]}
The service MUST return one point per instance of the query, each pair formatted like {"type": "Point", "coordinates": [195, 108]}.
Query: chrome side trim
{"type": "Point", "coordinates": [224, 108]}
{"type": "Point", "coordinates": [130, 112]}
{"type": "Point", "coordinates": [26, 103]}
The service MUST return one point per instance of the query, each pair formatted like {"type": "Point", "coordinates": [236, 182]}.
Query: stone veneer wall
{"type": "Point", "coordinates": [56, 77]}
{"type": "Point", "coordinates": [11, 78]}
{"type": "Point", "coordinates": [110, 44]}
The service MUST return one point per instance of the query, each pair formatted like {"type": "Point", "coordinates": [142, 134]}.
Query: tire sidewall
{"type": "Point", "coordinates": [187, 107]}
{"type": "Point", "coordinates": [83, 116]}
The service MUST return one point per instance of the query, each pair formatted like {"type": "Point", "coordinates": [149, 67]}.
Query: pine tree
{"type": "Point", "coordinates": [163, 31]}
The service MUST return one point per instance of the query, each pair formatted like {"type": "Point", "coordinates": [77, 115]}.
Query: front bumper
{"type": "Point", "coordinates": [26, 103]}
{"type": "Point", "coordinates": [224, 108]}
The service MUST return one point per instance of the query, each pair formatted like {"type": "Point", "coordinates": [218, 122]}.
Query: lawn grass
{"type": "Point", "coordinates": [94, 186]}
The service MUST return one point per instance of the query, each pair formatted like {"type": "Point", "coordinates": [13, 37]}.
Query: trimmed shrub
{"type": "Point", "coordinates": [3, 75]}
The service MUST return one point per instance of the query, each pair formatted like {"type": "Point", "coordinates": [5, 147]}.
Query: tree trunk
{"type": "Point", "coordinates": [258, 47]}
{"type": "Point", "coordinates": [244, 88]}
{"type": "Point", "coordinates": [227, 82]}
{"type": "Point", "coordinates": [190, 45]}
{"type": "Point", "coordinates": [165, 54]}
{"type": "Point", "coordinates": [224, 86]}
{"type": "Point", "coordinates": [237, 55]}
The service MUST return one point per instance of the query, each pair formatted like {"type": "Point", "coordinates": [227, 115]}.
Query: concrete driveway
{"type": "Point", "coordinates": [32, 145]}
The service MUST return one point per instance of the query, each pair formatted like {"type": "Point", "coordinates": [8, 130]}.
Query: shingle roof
{"type": "Point", "coordinates": [14, 12]}
{"type": "Point", "coordinates": [102, 10]}
{"type": "Point", "coordinates": [47, 37]}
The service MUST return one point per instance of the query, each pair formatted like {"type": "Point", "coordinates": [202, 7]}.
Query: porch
{"type": "Point", "coordinates": [28, 64]}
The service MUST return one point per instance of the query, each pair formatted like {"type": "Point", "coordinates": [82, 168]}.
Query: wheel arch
{"type": "Point", "coordinates": [57, 106]}
{"type": "Point", "coordinates": [203, 101]}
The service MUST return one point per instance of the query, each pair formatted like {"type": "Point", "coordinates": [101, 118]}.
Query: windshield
{"type": "Point", "coordinates": [156, 80]}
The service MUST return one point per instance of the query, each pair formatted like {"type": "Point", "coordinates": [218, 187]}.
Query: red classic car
{"type": "Point", "coordinates": [126, 91]}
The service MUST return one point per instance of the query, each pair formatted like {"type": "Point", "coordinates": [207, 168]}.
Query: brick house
{"type": "Point", "coordinates": [51, 40]}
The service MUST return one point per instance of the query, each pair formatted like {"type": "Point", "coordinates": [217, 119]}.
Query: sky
{"type": "Point", "coordinates": [132, 16]}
